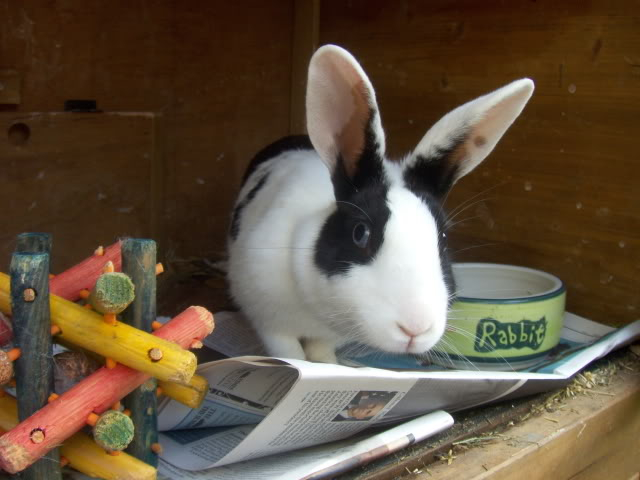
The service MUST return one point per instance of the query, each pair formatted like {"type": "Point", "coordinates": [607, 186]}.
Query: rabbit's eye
{"type": "Point", "coordinates": [361, 234]}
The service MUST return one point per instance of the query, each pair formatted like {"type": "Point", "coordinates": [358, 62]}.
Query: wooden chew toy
{"type": "Point", "coordinates": [83, 276]}
{"type": "Point", "coordinates": [67, 414]}
{"type": "Point", "coordinates": [71, 282]}
{"type": "Point", "coordinates": [6, 330]}
{"type": "Point", "coordinates": [121, 342]}
{"type": "Point", "coordinates": [83, 454]}
{"type": "Point", "coordinates": [112, 293]}
{"type": "Point", "coordinates": [139, 263]}
{"type": "Point", "coordinates": [31, 323]}
{"type": "Point", "coordinates": [6, 364]}
{"type": "Point", "coordinates": [72, 366]}
{"type": "Point", "coordinates": [192, 395]}
{"type": "Point", "coordinates": [113, 430]}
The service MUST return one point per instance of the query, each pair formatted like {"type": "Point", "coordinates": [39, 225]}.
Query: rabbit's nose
{"type": "Point", "coordinates": [412, 331]}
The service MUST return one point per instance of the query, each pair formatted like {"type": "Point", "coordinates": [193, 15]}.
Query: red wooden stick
{"type": "Point", "coordinates": [84, 275]}
{"type": "Point", "coordinates": [68, 413]}
{"type": "Point", "coordinates": [6, 330]}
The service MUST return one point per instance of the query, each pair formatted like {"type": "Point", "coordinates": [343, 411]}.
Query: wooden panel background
{"type": "Point", "coordinates": [217, 74]}
{"type": "Point", "coordinates": [67, 179]}
{"type": "Point", "coordinates": [560, 192]}
{"type": "Point", "coordinates": [223, 78]}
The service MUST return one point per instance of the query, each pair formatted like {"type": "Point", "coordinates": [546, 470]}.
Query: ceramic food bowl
{"type": "Point", "coordinates": [505, 317]}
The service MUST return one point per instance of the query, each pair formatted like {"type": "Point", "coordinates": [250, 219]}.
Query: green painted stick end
{"type": "Point", "coordinates": [112, 293]}
{"type": "Point", "coordinates": [113, 431]}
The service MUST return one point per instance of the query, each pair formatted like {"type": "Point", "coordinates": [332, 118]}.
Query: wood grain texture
{"type": "Point", "coordinates": [596, 437]}
{"type": "Point", "coordinates": [31, 327]}
{"type": "Point", "coordinates": [217, 72]}
{"type": "Point", "coordinates": [139, 263]}
{"type": "Point", "coordinates": [560, 192]}
{"type": "Point", "coordinates": [306, 22]}
{"type": "Point", "coordinates": [9, 87]}
{"type": "Point", "coordinates": [66, 179]}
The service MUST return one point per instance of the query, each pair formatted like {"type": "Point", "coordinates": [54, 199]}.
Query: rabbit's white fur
{"type": "Point", "coordinates": [396, 301]}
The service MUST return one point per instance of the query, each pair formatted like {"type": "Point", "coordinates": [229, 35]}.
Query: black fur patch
{"type": "Point", "coordinates": [360, 197]}
{"type": "Point", "coordinates": [430, 180]}
{"type": "Point", "coordinates": [369, 168]}
{"type": "Point", "coordinates": [435, 174]}
{"type": "Point", "coordinates": [435, 207]}
{"type": "Point", "coordinates": [335, 250]}
{"type": "Point", "coordinates": [237, 212]}
{"type": "Point", "coordinates": [292, 142]}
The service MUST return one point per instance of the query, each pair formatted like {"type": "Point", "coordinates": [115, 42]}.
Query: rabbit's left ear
{"type": "Point", "coordinates": [461, 139]}
{"type": "Point", "coordinates": [343, 121]}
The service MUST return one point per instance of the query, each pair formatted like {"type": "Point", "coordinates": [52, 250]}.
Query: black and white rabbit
{"type": "Point", "coordinates": [332, 243]}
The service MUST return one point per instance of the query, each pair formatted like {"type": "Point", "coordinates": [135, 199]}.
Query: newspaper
{"type": "Point", "coordinates": [323, 461]}
{"type": "Point", "coordinates": [264, 407]}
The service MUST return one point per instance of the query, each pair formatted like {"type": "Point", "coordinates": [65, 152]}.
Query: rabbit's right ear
{"type": "Point", "coordinates": [343, 121]}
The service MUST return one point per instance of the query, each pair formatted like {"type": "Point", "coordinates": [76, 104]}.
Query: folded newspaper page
{"type": "Point", "coordinates": [322, 461]}
{"type": "Point", "coordinates": [259, 406]}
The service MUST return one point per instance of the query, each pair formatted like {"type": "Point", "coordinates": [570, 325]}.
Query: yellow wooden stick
{"type": "Point", "coordinates": [8, 412]}
{"type": "Point", "coordinates": [84, 454]}
{"type": "Point", "coordinates": [121, 342]}
{"type": "Point", "coordinates": [191, 395]}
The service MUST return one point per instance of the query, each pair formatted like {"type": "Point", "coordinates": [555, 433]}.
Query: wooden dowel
{"type": "Point", "coordinates": [120, 342]}
{"type": "Point", "coordinates": [6, 330]}
{"type": "Point", "coordinates": [26, 242]}
{"type": "Point", "coordinates": [112, 293]}
{"type": "Point", "coordinates": [72, 366]}
{"type": "Point", "coordinates": [87, 457]}
{"type": "Point", "coordinates": [192, 395]}
{"type": "Point", "coordinates": [139, 263]}
{"type": "Point", "coordinates": [84, 275]}
{"type": "Point", "coordinates": [174, 329]}
{"type": "Point", "coordinates": [66, 415]}
{"type": "Point", "coordinates": [34, 242]}
{"type": "Point", "coordinates": [32, 330]}
{"type": "Point", "coordinates": [31, 322]}
{"type": "Point", "coordinates": [8, 411]}
{"type": "Point", "coordinates": [6, 364]}
{"type": "Point", "coordinates": [113, 431]}
{"type": "Point", "coordinates": [83, 453]}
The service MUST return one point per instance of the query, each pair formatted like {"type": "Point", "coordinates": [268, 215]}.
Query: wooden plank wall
{"type": "Point", "coordinates": [560, 192]}
{"type": "Point", "coordinates": [62, 174]}
{"type": "Point", "coordinates": [216, 75]}
{"type": "Point", "coordinates": [223, 78]}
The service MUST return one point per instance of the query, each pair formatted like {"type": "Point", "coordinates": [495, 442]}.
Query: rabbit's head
{"type": "Point", "coordinates": [383, 251]}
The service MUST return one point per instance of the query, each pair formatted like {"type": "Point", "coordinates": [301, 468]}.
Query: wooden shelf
{"type": "Point", "coordinates": [595, 435]}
